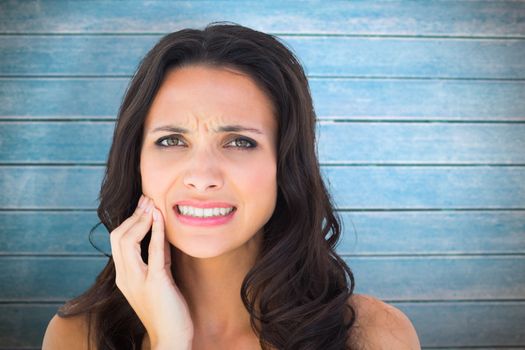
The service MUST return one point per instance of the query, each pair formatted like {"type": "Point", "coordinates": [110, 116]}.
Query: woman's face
{"type": "Point", "coordinates": [206, 164]}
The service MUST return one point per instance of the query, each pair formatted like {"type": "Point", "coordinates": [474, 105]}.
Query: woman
{"type": "Point", "coordinates": [222, 231]}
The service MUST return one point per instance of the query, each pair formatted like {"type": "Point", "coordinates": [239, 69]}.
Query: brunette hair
{"type": "Point", "coordinates": [301, 286]}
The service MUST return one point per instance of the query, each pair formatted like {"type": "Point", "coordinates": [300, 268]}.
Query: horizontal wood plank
{"type": "Point", "coordinates": [478, 232]}
{"type": "Point", "coordinates": [349, 56]}
{"type": "Point", "coordinates": [33, 278]}
{"type": "Point", "coordinates": [443, 325]}
{"type": "Point", "coordinates": [51, 187]}
{"type": "Point", "coordinates": [47, 278]}
{"type": "Point", "coordinates": [51, 233]}
{"type": "Point", "coordinates": [364, 233]}
{"type": "Point", "coordinates": [338, 142]}
{"type": "Point", "coordinates": [472, 324]}
{"type": "Point", "coordinates": [23, 325]}
{"type": "Point", "coordinates": [359, 187]}
{"type": "Point", "coordinates": [333, 98]}
{"type": "Point", "coordinates": [56, 142]}
{"type": "Point", "coordinates": [420, 143]}
{"type": "Point", "coordinates": [443, 278]}
{"type": "Point", "coordinates": [413, 187]}
{"type": "Point", "coordinates": [471, 18]}
{"type": "Point", "coordinates": [71, 98]}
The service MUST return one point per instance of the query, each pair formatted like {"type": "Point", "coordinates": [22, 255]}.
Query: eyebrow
{"type": "Point", "coordinates": [225, 128]}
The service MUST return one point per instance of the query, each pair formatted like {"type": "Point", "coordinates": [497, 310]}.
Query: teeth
{"type": "Point", "coordinates": [203, 212]}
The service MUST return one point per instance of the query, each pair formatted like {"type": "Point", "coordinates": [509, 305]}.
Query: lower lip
{"type": "Point", "coordinates": [194, 221]}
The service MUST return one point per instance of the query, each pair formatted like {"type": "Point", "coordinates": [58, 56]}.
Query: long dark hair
{"type": "Point", "coordinates": [301, 285]}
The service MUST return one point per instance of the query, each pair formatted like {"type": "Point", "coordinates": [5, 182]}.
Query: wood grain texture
{"type": "Point", "coordinates": [444, 18]}
{"type": "Point", "coordinates": [432, 232]}
{"type": "Point", "coordinates": [334, 99]}
{"type": "Point", "coordinates": [468, 324]}
{"type": "Point", "coordinates": [421, 138]}
{"type": "Point", "coordinates": [94, 55]}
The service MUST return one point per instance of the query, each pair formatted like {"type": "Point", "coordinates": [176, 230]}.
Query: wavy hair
{"type": "Point", "coordinates": [300, 284]}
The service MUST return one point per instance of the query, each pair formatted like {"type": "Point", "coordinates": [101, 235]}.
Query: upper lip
{"type": "Point", "coordinates": [205, 204]}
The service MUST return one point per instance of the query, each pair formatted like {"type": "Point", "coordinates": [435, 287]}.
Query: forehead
{"type": "Point", "coordinates": [202, 96]}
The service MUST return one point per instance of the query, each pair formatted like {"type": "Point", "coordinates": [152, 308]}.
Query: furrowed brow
{"type": "Point", "coordinates": [237, 128]}
{"type": "Point", "coordinates": [170, 128]}
{"type": "Point", "coordinates": [225, 128]}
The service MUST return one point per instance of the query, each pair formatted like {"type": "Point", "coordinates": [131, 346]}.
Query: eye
{"type": "Point", "coordinates": [167, 141]}
{"type": "Point", "coordinates": [173, 140]}
{"type": "Point", "coordinates": [244, 143]}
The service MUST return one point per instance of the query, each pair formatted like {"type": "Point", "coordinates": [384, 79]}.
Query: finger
{"type": "Point", "coordinates": [159, 252]}
{"type": "Point", "coordinates": [129, 222]}
{"type": "Point", "coordinates": [130, 243]}
{"type": "Point", "coordinates": [116, 234]}
{"type": "Point", "coordinates": [138, 230]}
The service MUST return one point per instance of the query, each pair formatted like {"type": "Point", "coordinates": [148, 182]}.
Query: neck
{"type": "Point", "coordinates": [211, 287]}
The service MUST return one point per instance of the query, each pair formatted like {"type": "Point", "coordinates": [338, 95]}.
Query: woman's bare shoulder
{"type": "Point", "coordinates": [381, 326]}
{"type": "Point", "coordinates": [66, 333]}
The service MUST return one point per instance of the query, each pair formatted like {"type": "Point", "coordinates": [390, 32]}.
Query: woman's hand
{"type": "Point", "coordinates": [150, 289]}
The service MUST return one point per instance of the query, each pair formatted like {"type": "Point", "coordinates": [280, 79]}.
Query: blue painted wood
{"type": "Point", "coordinates": [50, 187]}
{"type": "Point", "coordinates": [440, 278]}
{"type": "Point", "coordinates": [333, 98]}
{"type": "Point", "coordinates": [70, 98]}
{"type": "Point", "coordinates": [361, 187]}
{"type": "Point", "coordinates": [32, 278]}
{"type": "Point", "coordinates": [463, 18]}
{"type": "Point", "coordinates": [73, 55]}
{"type": "Point", "coordinates": [23, 325]}
{"type": "Point", "coordinates": [56, 142]}
{"type": "Point", "coordinates": [338, 142]}
{"type": "Point", "coordinates": [468, 324]}
{"type": "Point", "coordinates": [418, 99]}
{"type": "Point", "coordinates": [442, 232]}
{"type": "Point", "coordinates": [420, 143]}
{"type": "Point", "coordinates": [364, 233]}
{"type": "Point", "coordinates": [349, 56]}
{"type": "Point", "coordinates": [64, 233]}
{"type": "Point", "coordinates": [412, 187]}
{"type": "Point", "coordinates": [388, 61]}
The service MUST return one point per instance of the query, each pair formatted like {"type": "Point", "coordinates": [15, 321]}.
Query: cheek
{"type": "Point", "coordinates": [261, 183]}
{"type": "Point", "coordinates": [153, 177]}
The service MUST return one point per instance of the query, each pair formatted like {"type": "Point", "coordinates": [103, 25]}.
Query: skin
{"type": "Point", "coordinates": [210, 262]}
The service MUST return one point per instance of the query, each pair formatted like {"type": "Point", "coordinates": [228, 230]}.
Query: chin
{"type": "Point", "coordinates": [197, 248]}
{"type": "Point", "coordinates": [202, 252]}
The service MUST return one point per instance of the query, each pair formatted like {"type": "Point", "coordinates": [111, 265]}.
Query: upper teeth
{"type": "Point", "coordinates": [204, 212]}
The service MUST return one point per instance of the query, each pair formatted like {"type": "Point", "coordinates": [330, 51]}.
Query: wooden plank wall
{"type": "Point", "coordinates": [421, 110]}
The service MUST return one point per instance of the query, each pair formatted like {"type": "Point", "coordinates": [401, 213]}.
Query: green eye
{"type": "Point", "coordinates": [242, 142]}
{"type": "Point", "coordinates": [167, 141]}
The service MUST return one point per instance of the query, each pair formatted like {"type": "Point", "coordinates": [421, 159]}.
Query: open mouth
{"type": "Point", "coordinates": [206, 221]}
{"type": "Point", "coordinates": [204, 213]}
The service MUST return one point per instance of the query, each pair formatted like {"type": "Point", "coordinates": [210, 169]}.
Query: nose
{"type": "Point", "coordinates": [203, 174]}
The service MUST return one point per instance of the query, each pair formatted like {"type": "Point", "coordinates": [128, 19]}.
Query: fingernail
{"type": "Point", "coordinates": [141, 201]}
{"type": "Point", "coordinates": [155, 215]}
